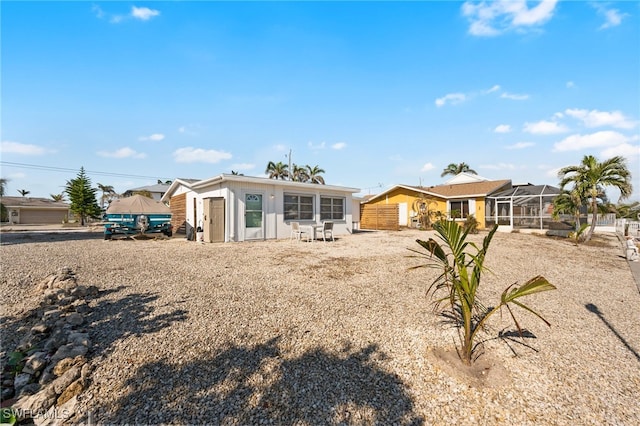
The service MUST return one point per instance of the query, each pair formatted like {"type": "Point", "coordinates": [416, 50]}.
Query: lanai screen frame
{"type": "Point", "coordinates": [521, 207]}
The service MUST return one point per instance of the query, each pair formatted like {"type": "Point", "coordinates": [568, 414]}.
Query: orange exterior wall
{"type": "Point", "coordinates": [401, 195]}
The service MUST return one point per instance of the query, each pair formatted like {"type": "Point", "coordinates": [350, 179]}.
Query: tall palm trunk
{"type": "Point", "coordinates": [594, 218]}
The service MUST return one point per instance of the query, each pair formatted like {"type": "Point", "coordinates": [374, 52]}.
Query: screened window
{"type": "Point", "coordinates": [459, 209]}
{"type": "Point", "coordinates": [298, 207]}
{"type": "Point", "coordinates": [331, 208]}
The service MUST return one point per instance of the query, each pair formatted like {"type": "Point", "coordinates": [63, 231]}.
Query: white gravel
{"type": "Point", "coordinates": [280, 332]}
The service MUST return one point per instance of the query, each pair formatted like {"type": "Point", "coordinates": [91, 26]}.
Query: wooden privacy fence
{"type": "Point", "coordinates": [178, 206]}
{"type": "Point", "coordinates": [380, 217]}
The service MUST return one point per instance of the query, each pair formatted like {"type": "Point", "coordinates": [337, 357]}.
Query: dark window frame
{"type": "Point", "coordinates": [337, 207]}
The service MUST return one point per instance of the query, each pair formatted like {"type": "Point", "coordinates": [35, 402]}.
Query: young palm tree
{"type": "Point", "coordinates": [24, 192]}
{"type": "Point", "coordinates": [277, 170]}
{"type": "Point", "coordinates": [459, 279]}
{"type": "Point", "coordinates": [591, 177]}
{"type": "Point", "coordinates": [57, 197]}
{"type": "Point", "coordinates": [456, 169]}
{"type": "Point", "coordinates": [314, 174]}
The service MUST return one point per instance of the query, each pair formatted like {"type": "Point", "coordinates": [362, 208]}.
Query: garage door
{"type": "Point", "coordinates": [41, 217]}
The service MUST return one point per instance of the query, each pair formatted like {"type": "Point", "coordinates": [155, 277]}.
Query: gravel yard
{"type": "Point", "coordinates": [281, 332]}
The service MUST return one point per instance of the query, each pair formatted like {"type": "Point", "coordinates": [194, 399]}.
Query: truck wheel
{"type": "Point", "coordinates": [107, 236]}
{"type": "Point", "coordinates": [168, 233]}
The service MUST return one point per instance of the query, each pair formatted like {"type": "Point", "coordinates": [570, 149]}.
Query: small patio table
{"type": "Point", "coordinates": [311, 230]}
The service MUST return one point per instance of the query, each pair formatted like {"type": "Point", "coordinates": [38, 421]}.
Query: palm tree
{"type": "Point", "coordinates": [3, 186]}
{"type": "Point", "coordinates": [107, 193]}
{"type": "Point", "coordinates": [591, 177]}
{"type": "Point", "coordinates": [24, 192]}
{"type": "Point", "coordinates": [313, 174]}
{"type": "Point", "coordinates": [299, 174]}
{"type": "Point", "coordinates": [57, 197]}
{"type": "Point", "coordinates": [277, 170]}
{"type": "Point", "coordinates": [456, 169]}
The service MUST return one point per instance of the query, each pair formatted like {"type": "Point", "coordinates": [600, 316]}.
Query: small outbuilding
{"type": "Point", "coordinates": [232, 207]}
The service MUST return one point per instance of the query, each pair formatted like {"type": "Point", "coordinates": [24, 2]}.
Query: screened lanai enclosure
{"type": "Point", "coordinates": [521, 207]}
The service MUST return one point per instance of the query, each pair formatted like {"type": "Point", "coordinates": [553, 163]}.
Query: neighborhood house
{"type": "Point", "coordinates": [231, 207]}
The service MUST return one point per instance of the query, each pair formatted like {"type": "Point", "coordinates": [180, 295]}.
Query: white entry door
{"type": "Point", "coordinates": [403, 213]}
{"type": "Point", "coordinates": [253, 217]}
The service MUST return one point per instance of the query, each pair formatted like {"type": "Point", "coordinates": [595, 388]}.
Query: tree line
{"type": "Point", "coordinates": [297, 173]}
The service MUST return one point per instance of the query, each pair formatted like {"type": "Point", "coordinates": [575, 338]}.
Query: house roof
{"type": "Point", "coordinates": [473, 189]}
{"type": "Point", "coordinates": [158, 187]}
{"type": "Point", "coordinates": [452, 191]}
{"type": "Point", "coordinates": [31, 202]}
{"type": "Point", "coordinates": [195, 184]}
{"type": "Point", "coordinates": [464, 177]}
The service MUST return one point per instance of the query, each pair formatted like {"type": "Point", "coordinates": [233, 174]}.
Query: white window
{"type": "Point", "coordinates": [331, 208]}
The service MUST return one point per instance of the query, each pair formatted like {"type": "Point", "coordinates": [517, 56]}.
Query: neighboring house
{"type": "Point", "coordinates": [239, 208]}
{"type": "Point", "coordinates": [35, 211]}
{"type": "Point", "coordinates": [157, 191]}
{"type": "Point", "coordinates": [463, 195]}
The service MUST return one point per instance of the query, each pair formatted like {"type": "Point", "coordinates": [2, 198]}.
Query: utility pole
{"type": "Point", "coordinates": [290, 171]}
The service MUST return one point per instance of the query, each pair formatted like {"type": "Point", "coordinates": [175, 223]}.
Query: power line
{"type": "Point", "coordinates": [89, 172]}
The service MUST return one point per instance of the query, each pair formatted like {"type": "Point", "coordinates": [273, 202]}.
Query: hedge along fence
{"type": "Point", "coordinates": [380, 217]}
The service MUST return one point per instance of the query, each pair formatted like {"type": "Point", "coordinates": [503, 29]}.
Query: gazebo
{"type": "Point", "coordinates": [521, 207]}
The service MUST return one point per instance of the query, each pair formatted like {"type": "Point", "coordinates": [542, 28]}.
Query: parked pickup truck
{"type": "Point", "coordinates": [137, 215]}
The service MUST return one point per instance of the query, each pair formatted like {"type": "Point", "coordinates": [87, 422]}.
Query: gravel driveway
{"type": "Point", "coordinates": [281, 332]}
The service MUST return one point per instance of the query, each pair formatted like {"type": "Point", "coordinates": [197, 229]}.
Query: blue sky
{"type": "Point", "coordinates": [374, 93]}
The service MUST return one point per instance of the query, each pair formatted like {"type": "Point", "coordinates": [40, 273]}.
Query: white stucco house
{"type": "Point", "coordinates": [231, 207]}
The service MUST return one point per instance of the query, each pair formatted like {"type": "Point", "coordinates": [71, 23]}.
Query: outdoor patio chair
{"type": "Point", "coordinates": [296, 231]}
{"type": "Point", "coordinates": [327, 230]}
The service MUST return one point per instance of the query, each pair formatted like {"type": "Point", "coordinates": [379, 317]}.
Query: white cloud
{"type": "Point", "coordinates": [495, 88]}
{"type": "Point", "coordinates": [143, 13]}
{"type": "Point", "coordinates": [280, 147]}
{"type": "Point", "coordinates": [313, 146]}
{"type": "Point", "coordinates": [452, 98]}
{"type": "Point", "coordinates": [553, 172]}
{"type": "Point", "coordinates": [631, 152]}
{"type": "Point", "coordinates": [125, 152]}
{"type": "Point", "coordinates": [339, 145]}
{"type": "Point", "coordinates": [612, 17]}
{"type": "Point", "coordinates": [427, 167]}
{"type": "Point", "coordinates": [545, 128]}
{"type": "Point", "coordinates": [595, 118]}
{"type": "Point", "coordinates": [154, 137]}
{"type": "Point", "coordinates": [395, 157]}
{"type": "Point", "coordinates": [499, 166]}
{"type": "Point", "coordinates": [514, 96]}
{"type": "Point", "coordinates": [243, 166]}
{"type": "Point", "coordinates": [502, 128]}
{"type": "Point", "coordinates": [494, 18]}
{"type": "Point", "coordinates": [520, 145]}
{"type": "Point", "coordinates": [570, 85]}
{"type": "Point", "coordinates": [577, 142]}
{"type": "Point", "coordinates": [9, 147]}
{"type": "Point", "coordinates": [199, 155]}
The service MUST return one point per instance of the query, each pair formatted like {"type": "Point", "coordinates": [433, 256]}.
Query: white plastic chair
{"type": "Point", "coordinates": [295, 231]}
{"type": "Point", "coordinates": [327, 230]}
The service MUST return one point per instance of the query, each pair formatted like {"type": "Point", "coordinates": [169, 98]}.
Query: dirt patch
{"type": "Point", "coordinates": [485, 372]}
